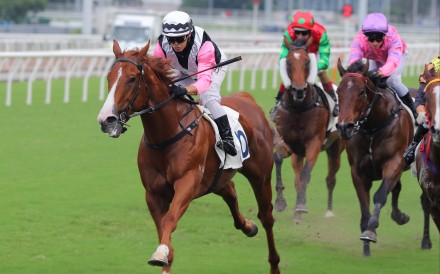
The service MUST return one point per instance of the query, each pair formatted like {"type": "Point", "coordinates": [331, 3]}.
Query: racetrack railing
{"type": "Point", "coordinates": [68, 64]}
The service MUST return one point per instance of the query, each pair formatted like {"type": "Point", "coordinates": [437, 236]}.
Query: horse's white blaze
{"type": "Point", "coordinates": [296, 55]}
{"type": "Point", "coordinates": [350, 84]}
{"type": "Point", "coordinates": [436, 118]}
{"type": "Point", "coordinates": [107, 108]}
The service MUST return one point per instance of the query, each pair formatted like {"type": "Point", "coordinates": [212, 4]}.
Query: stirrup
{"type": "Point", "coordinates": [336, 111]}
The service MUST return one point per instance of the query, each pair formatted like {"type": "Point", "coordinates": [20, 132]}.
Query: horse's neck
{"type": "Point", "coordinates": [163, 123]}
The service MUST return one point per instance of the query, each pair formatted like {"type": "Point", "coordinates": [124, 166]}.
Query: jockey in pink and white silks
{"type": "Point", "coordinates": [381, 43]}
{"type": "Point", "coordinates": [190, 50]}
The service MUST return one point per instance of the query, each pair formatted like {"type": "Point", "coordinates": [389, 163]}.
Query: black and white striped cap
{"type": "Point", "coordinates": [177, 23]}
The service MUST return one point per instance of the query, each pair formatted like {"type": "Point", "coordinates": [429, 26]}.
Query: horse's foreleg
{"type": "Point", "coordinates": [426, 240]}
{"type": "Point", "coordinates": [229, 195]}
{"type": "Point", "coordinates": [297, 165]}
{"type": "Point", "coordinates": [334, 163]}
{"type": "Point", "coordinates": [398, 216]}
{"type": "Point", "coordinates": [183, 195]}
{"type": "Point", "coordinates": [280, 202]}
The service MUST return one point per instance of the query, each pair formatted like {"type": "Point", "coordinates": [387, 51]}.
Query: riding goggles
{"type": "Point", "coordinates": [178, 39]}
{"type": "Point", "coordinates": [375, 36]}
{"type": "Point", "coordinates": [302, 32]}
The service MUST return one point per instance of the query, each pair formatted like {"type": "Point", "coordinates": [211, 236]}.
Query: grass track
{"type": "Point", "coordinates": [72, 202]}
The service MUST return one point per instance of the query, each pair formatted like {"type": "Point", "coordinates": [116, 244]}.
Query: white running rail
{"type": "Point", "coordinates": [66, 64]}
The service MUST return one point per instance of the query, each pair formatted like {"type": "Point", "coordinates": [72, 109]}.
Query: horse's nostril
{"type": "Point", "coordinates": [111, 120]}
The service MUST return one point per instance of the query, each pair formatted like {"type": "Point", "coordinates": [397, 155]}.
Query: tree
{"type": "Point", "coordinates": [16, 10]}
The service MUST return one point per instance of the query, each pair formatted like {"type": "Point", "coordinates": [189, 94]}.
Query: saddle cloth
{"type": "Point", "coordinates": [240, 139]}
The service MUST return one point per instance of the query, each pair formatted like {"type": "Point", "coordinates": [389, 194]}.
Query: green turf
{"type": "Point", "coordinates": [72, 202]}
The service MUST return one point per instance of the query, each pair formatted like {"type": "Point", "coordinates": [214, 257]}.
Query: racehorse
{"type": "Point", "coordinates": [176, 158]}
{"type": "Point", "coordinates": [428, 157]}
{"type": "Point", "coordinates": [302, 120]}
{"type": "Point", "coordinates": [378, 130]}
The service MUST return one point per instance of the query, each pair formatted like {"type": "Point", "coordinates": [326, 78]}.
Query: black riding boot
{"type": "Point", "coordinates": [273, 110]}
{"type": "Point", "coordinates": [409, 154]}
{"type": "Point", "coordinates": [408, 101]}
{"type": "Point", "coordinates": [226, 135]}
{"type": "Point", "coordinates": [332, 94]}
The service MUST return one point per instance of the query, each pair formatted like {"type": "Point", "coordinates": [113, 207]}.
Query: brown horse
{"type": "Point", "coordinates": [302, 121]}
{"type": "Point", "coordinates": [177, 159]}
{"type": "Point", "coordinates": [428, 157]}
{"type": "Point", "coordinates": [378, 130]}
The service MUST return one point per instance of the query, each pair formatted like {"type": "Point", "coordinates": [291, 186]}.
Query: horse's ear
{"type": "Point", "coordinates": [144, 51]}
{"type": "Point", "coordinates": [427, 74]}
{"type": "Point", "coordinates": [117, 49]}
{"type": "Point", "coordinates": [367, 65]}
{"type": "Point", "coordinates": [341, 69]}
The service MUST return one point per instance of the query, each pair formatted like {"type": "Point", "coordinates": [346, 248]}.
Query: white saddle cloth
{"type": "Point", "coordinates": [240, 139]}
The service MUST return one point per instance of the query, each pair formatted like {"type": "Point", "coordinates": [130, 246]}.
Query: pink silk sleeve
{"type": "Point", "coordinates": [206, 59]}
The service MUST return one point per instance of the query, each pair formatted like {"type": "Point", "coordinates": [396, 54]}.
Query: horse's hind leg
{"type": "Point", "coordinates": [263, 194]}
{"type": "Point", "coordinates": [280, 202]}
{"type": "Point", "coordinates": [426, 240]}
{"type": "Point", "coordinates": [229, 195]}
{"type": "Point", "coordinates": [398, 216]}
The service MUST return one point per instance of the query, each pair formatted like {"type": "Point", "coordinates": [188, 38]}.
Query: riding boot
{"type": "Point", "coordinates": [409, 154]}
{"type": "Point", "coordinates": [273, 110]}
{"type": "Point", "coordinates": [408, 101]}
{"type": "Point", "coordinates": [332, 94]}
{"type": "Point", "coordinates": [226, 135]}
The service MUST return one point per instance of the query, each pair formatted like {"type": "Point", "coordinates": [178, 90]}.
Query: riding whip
{"type": "Point", "coordinates": [227, 62]}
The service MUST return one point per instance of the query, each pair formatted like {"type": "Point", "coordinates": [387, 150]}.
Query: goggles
{"type": "Point", "coordinates": [375, 36]}
{"type": "Point", "coordinates": [178, 39]}
{"type": "Point", "coordinates": [302, 32]}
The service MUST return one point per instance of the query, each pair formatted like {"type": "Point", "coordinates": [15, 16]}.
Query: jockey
{"type": "Point", "coordinates": [422, 127]}
{"type": "Point", "coordinates": [304, 26]}
{"type": "Point", "coordinates": [381, 43]}
{"type": "Point", "coordinates": [190, 49]}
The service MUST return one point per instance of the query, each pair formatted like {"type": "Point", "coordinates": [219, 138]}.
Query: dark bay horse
{"type": "Point", "coordinates": [176, 158]}
{"type": "Point", "coordinates": [302, 120]}
{"type": "Point", "coordinates": [378, 130]}
{"type": "Point", "coordinates": [428, 157]}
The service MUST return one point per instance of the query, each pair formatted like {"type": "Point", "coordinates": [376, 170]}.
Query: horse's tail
{"type": "Point", "coordinates": [279, 146]}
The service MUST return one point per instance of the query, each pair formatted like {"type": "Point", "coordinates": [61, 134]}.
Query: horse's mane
{"type": "Point", "coordinates": [357, 66]}
{"type": "Point", "coordinates": [161, 67]}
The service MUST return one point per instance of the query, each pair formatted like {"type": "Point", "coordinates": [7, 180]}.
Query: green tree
{"type": "Point", "coordinates": [16, 10]}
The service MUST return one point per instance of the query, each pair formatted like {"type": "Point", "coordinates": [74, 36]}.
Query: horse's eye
{"type": "Point", "coordinates": [132, 80]}
{"type": "Point", "coordinates": [363, 90]}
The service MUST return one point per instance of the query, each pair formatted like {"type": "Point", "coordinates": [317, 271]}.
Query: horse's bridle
{"type": "Point", "coordinates": [124, 117]}
{"type": "Point", "coordinates": [364, 114]}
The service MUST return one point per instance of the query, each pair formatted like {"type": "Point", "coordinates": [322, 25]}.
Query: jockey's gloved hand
{"type": "Point", "coordinates": [421, 119]}
{"type": "Point", "coordinates": [375, 77]}
{"type": "Point", "coordinates": [178, 90]}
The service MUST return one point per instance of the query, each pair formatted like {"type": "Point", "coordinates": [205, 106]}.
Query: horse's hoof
{"type": "Point", "coordinates": [329, 214]}
{"type": "Point", "coordinates": [154, 261]}
{"type": "Point", "coordinates": [254, 229]}
{"type": "Point", "coordinates": [400, 218]}
{"type": "Point", "coordinates": [160, 257]}
{"type": "Point", "coordinates": [369, 236]}
{"type": "Point", "coordinates": [280, 204]}
{"type": "Point", "coordinates": [297, 217]}
{"type": "Point", "coordinates": [426, 245]}
{"type": "Point", "coordinates": [301, 209]}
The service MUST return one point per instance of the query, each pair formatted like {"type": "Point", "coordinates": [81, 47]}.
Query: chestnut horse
{"type": "Point", "coordinates": [428, 157]}
{"type": "Point", "coordinates": [177, 159]}
{"type": "Point", "coordinates": [378, 130]}
{"type": "Point", "coordinates": [302, 120]}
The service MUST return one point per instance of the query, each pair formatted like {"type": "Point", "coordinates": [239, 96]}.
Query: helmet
{"type": "Point", "coordinates": [302, 20]}
{"type": "Point", "coordinates": [177, 23]}
{"type": "Point", "coordinates": [375, 22]}
{"type": "Point", "coordinates": [436, 63]}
